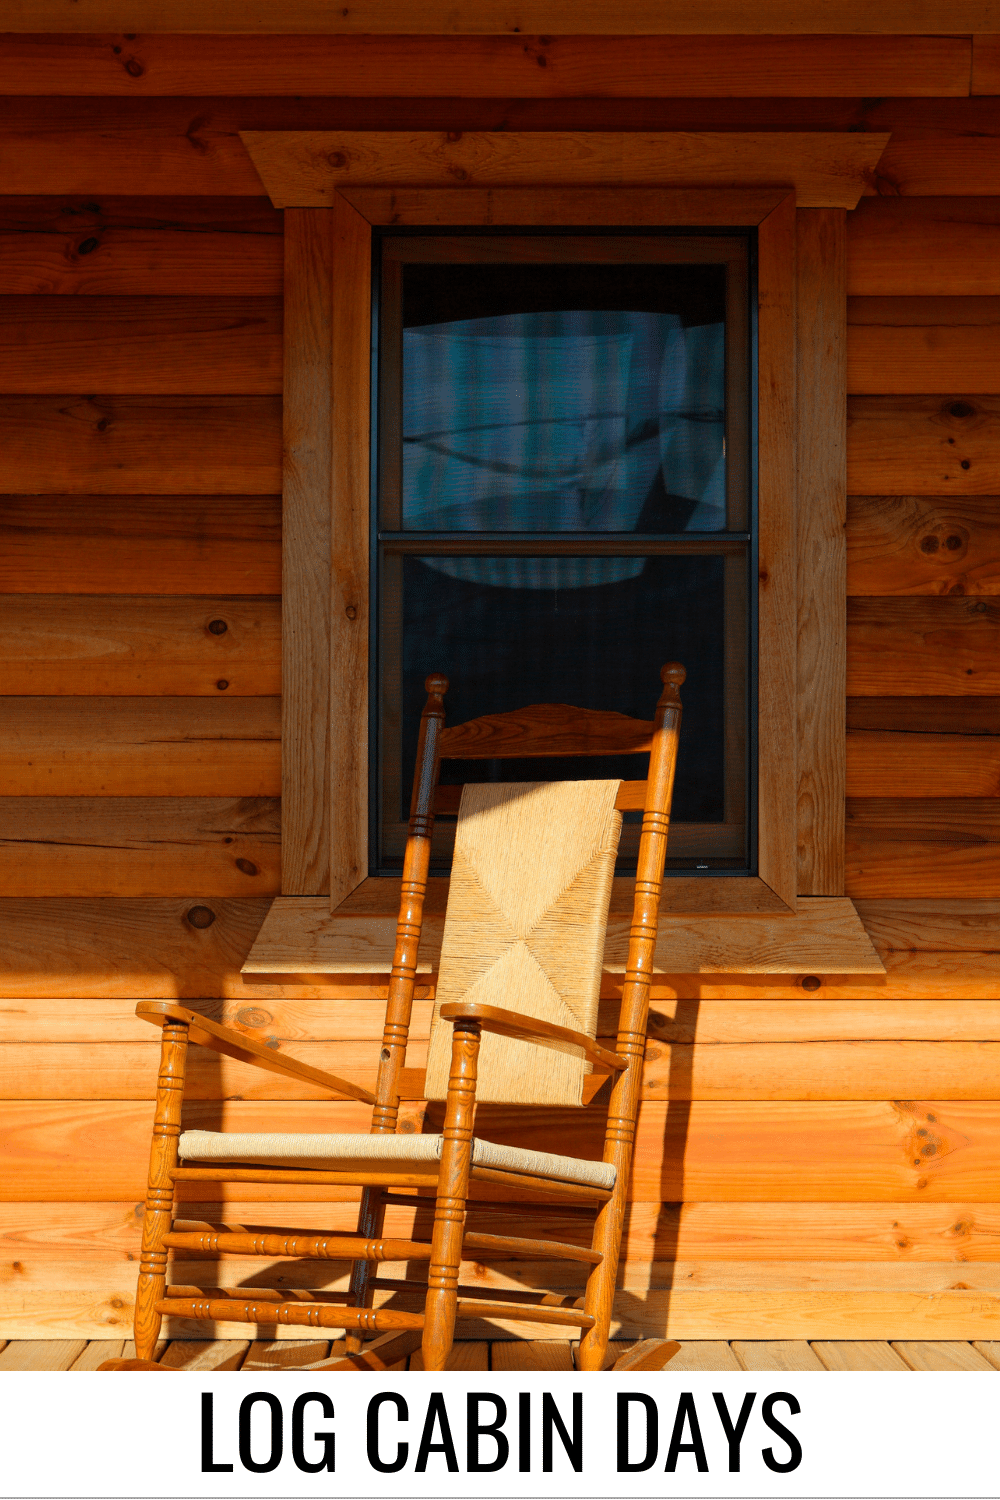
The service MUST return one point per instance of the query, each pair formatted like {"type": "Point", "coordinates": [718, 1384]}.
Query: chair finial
{"type": "Point", "coordinates": [672, 675]}
{"type": "Point", "coordinates": [436, 683]}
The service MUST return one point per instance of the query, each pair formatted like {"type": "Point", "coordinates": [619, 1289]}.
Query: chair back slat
{"type": "Point", "coordinates": [525, 928]}
{"type": "Point", "coordinates": [631, 797]}
{"type": "Point", "coordinates": [546, 729]}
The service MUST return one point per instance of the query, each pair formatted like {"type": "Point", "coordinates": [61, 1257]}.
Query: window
{"type": "Point", "coordinates": [563, 503]}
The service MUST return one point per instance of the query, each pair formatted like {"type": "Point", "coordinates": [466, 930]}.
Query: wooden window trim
{"type": "Point", "coordinates": [801, 733]}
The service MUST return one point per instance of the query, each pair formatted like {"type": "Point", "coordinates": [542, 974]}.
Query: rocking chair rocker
{"type": "Point", "coordinates": [515, 1022]}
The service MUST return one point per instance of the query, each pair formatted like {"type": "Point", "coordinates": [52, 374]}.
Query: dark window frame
{"type": "Point", "coordinates": [693, 244]}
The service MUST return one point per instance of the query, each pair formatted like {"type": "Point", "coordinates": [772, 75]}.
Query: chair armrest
{"type": "Point", "coordinates": [233, 1044]}
{"type": "Point", "coordinates": [530, 1029]}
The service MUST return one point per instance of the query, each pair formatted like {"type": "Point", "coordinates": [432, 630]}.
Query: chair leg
{"type": "Point", "coordinates": [600, 1298]}
{"type": "Point", "coordinates": [160, 1189]}
{"type": "Point", "coordinates": [453, 1188]}
{"type": "Point", "coordinates": [371, 1217]}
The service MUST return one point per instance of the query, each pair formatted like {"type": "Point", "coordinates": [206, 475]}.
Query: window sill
{"type": "Point", "coordinates": [301, 939]}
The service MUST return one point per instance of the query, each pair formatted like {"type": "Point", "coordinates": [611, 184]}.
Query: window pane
{"type": "Point", "coordinates": [563, 397]}
{"type": "Point", "coordinates": [590, 631]}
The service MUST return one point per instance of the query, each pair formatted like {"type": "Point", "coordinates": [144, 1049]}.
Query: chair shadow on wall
{"type": "Point", "coordinates": [652, 1238]}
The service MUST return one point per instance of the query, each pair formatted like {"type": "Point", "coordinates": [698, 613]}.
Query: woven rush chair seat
{"type": "Point", "coordinates": [343, 1153]}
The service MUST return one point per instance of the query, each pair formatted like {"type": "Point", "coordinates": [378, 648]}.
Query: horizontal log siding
{"type": "Point", "coordinates": [139, 826]}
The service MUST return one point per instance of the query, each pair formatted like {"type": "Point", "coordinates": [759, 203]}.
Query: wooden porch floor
{"type": "Point", "coordinates": [512, 1354]}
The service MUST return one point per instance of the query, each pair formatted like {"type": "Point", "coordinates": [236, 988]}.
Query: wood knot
{"type": "Point", "coordinates": [252, 1016]}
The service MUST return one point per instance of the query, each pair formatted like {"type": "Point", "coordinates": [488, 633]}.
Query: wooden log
{"type": "Point", "coordinates": [92, 1242]}
{"type": "Point", "coordinates": [912, 345]}
{"type": "Point", "coordinates": [139, 846]}
{"type": "Point", "coordinates": [677, 1071]}
{"type": "Point", "coordinates": [141, 747]}
{"type": "Point", "coordinates": [140, 544]}
{"type": "Point", "coordinates": [132, 947]}
{"type": "Point", "coordinates": [132, 645]}
{"type": "Point", "coordinates": [82, 216]}
{"type": "Point", "coordinates": [127, 1070]}
{"type": "Point", "coordinates": [279, 1022]}
{"type": "Point", "coordinates": [521, 66]}
{"type": "Point", "coordinates": [985, 66]}
{"type": "Point", "coordinates": [156, 445]}
{"type": "Point", "coordinates": [486, 17]}
{"type": "Point", "coordinates": [941, 766]}
{"type": "Point", "coordinates": [947, 645]}
{"type": "Point", "coordinates": [140, 263]}
{"type": "Point", "coordinates": [923, 545]}
{"type": "Point", "coordinates": [920, 247]}
{"type": "Point", "coordinates": [751, 1151]}
{"type": "Point", "coordinates": [91, 147]}
{"type": "Point", "coordinates": [941, 847]}
{"type": "Point", "coordinates": [140, 345]}
{"type": "Point", "coordinates": [923, 445]}
{"type": "Point", "coordinates": [699, 1316]}
{"type": "Point", "coordinates": [926, 715]}
{"type": "Point", "coordinates": [523, 1279]}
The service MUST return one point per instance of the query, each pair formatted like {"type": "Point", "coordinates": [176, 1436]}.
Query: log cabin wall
{"type": "Point", "coordinates": [815, 1154]}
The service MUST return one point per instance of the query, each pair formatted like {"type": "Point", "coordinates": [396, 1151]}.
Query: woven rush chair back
{"type": "Point", "coordinates": [525, 928]}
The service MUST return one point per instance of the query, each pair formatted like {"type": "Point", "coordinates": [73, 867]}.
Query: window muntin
{"type": "Point", "coordinates": [563, 492]}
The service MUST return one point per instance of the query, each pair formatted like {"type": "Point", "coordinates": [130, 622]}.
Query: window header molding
{"type": "Point", "coordinates": [306, 169]}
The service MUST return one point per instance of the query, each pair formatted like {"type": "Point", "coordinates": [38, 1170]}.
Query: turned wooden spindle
{"type": "Point", "coordinates": [624, 1103]}
{"type": "Point", "coordinates": [441, 1307]}
{"type": "Point", "coordinates": [402, 979]}
{"type": "Point", "coordinates": [158, 1216]}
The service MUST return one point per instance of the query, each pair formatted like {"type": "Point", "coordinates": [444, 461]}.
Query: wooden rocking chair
{"type": "Point", "coordinates": [525, 925]}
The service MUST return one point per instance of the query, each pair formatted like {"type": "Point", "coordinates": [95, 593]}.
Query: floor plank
{"type": "Point", "coordinates": [286, 1354]}
{"type": "Point", "coordinates": [774, 1354]}
{"type": "Point", "coordinates": [531, 1354]}
{"type": "Point", "coordinates": [129, 1351]}
{"type": "Point", "coordinates": [858, 1354]}
{"type": "Point", "coordinates": [704, 1354]}
{"type": "Point", "coordinates": [218, 1354]}
{"type": "Point", "coordinates": [942, 1355]}
{"type": "Point", "coordinates": [989, 1349]}
{"type": "Point", "coordinates": [41, 1354]}
{"type": "Point", "coordinates": [98, 1350]}
{"type": "Point", "coordinates": [470, 1354]}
